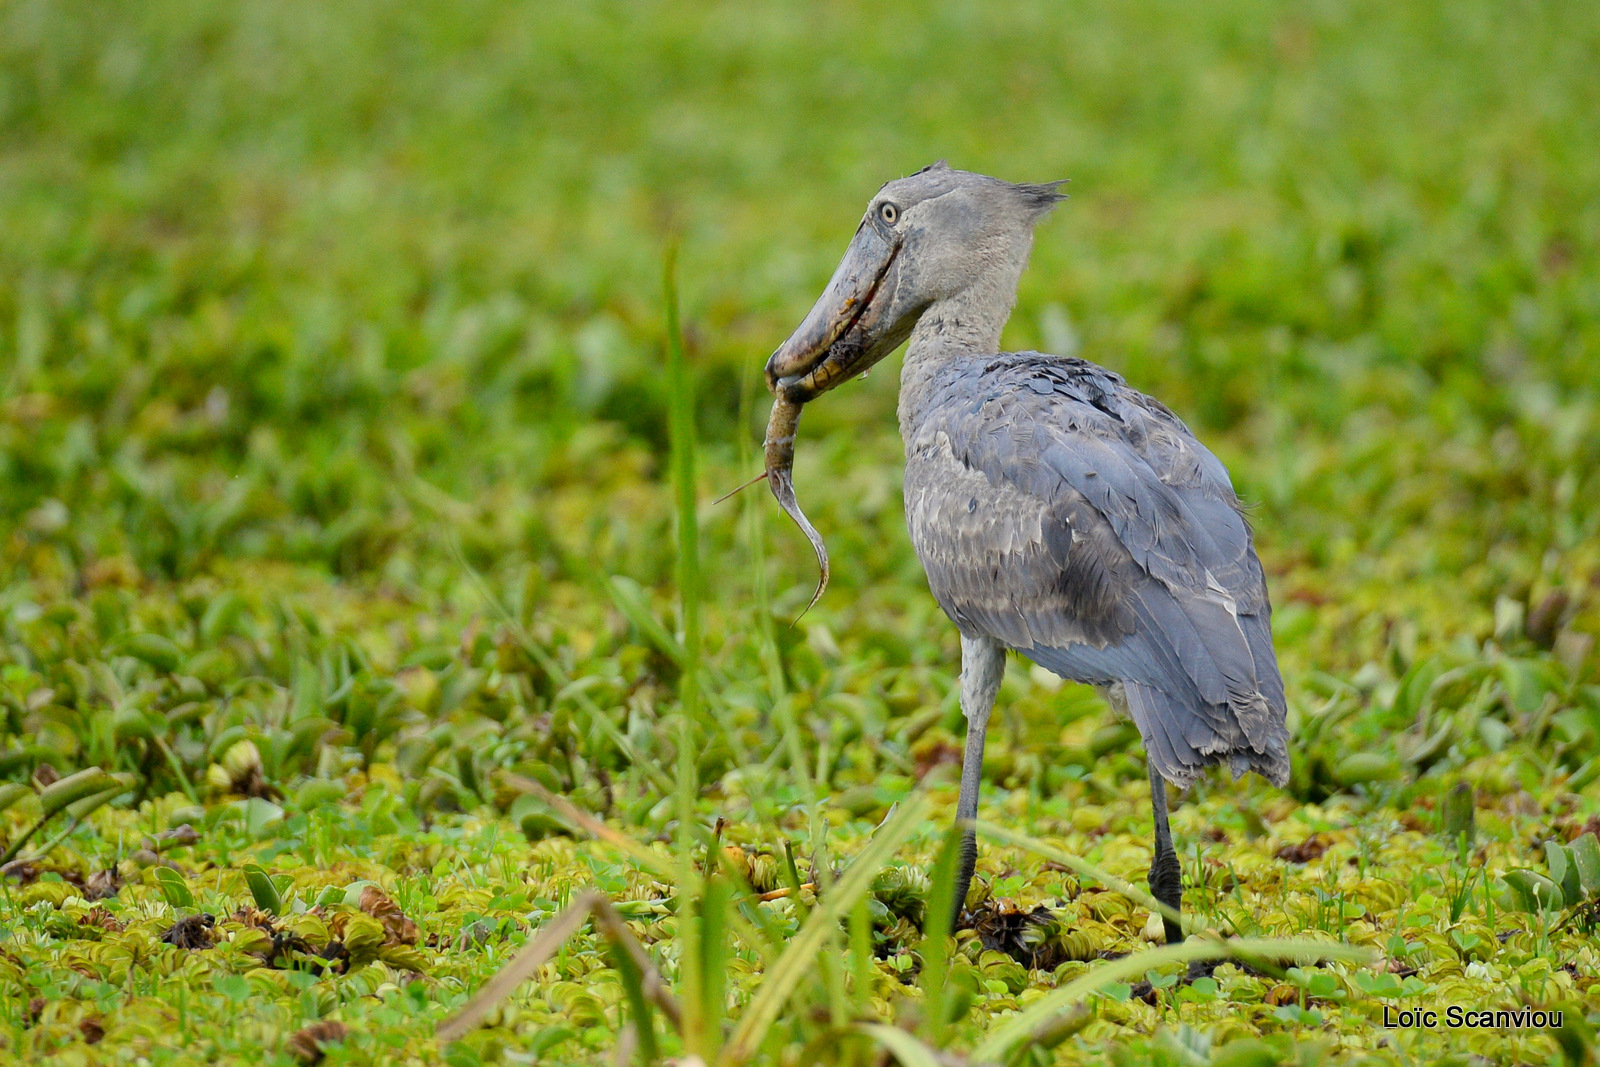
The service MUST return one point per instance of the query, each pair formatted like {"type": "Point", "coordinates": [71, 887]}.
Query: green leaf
{"type": "Point", "coordinates": [1160, 981]}
{"type": "Point", "coordinates": [1527, 683]}
{"type": "Point", "coordinates": [319, 793]}
{"type": "Point", "coordinates": [174, 888]}
{"type": "Point", "coordinates": [80, 809]}
{"type": "Point", "coordinates": [159, 652]}
{"type": "Point", "coordinates": [74, 787]}
{"type": "Point", "coordinates": [1413, 690]}
{"type": "Point", "coordinates": [11, 792]}
{"type": "Point", "coordinates": [1532, 891]}
{"type": "Point", "coordinates": [130, 723]}
{"type": "Point", "coordinates": [1585, 854]}
{"type": "Point", "coordinates": [1382, 984]}
{"type": "Point", "coordinates": [220, 616]}
{"type": "Point", "coordinates": [235, 987]}
{"type": "Point", "coordinates": [265, 893]}
{"type": "Point", "coordinates": [1555, 858]}
{"type": "Point", "coordinates": [260, 814]}
{"type": "Point", "coordinates": [1563, 871]}
{"type": "Point", "coordinates": [329, 895]}
{"type": "Point", "coordinates": [1360, 768]}
{"type": "Point", "coordinates": [352, 892]}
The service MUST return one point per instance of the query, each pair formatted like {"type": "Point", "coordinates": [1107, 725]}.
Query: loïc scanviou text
{"type": "Point", "coordinates": [1456, 1017]}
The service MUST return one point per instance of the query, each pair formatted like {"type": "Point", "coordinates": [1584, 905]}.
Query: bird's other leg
{"type": "Point", "coordinates": [983, 664]}
{"type": "Point", "coordinates": [1166, 877]}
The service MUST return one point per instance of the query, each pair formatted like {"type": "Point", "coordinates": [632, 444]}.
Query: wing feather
{"type": "Point", "coordinates": [1082, 524]}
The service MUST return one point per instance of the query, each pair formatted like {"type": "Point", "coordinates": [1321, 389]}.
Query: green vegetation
{"type": "Point", "coordinates": [343, 601]}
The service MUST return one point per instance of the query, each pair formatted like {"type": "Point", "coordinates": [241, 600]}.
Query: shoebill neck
{"type": "Point", "coordinates": [965, 324]}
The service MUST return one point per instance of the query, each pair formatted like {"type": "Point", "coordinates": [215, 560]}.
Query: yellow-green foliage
{"type": "Point", "coordinates": [334, 483]}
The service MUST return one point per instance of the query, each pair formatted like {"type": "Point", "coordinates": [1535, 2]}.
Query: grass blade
{"type": "Point", "coordinates": [861, 968]}
{"type": "Point", "coordinates": [680, 400]}
{"type": "Point", "coordinates": [801, 955]}
{"type": "Point", "coordinates": [630, 598]}
{"type": "Point", "coordinates": [1083, 868]}
{"type": "Point", "coordinates": [902, 1046]}
{"type": "Point", "coordinates": [551, 936]}
{"type": "Point", "coordinates": [935, 947]}
{"type": "Point", "coordinates": [657, 865]}
{"type": "Point", "coordinates": [997, 1045]}
{"type": "Point", "coordinates": [641, 982]}
{"type": "Point", "coordinates": [680, 427]}
{"type": "Point", "coordinates": [611, 922]}
{"type": "Point", "coordinates": [643, 1026]}
{"type": "Point", "coordinates": [716, 902]}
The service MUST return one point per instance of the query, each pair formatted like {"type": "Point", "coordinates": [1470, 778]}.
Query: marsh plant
{"type": "Point", "coordinates": [380, 684]}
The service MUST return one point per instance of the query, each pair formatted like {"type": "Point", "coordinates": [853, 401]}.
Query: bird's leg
{"type": "Point", "coordinates": [983, 664]}
{"type": "Point", "coordinates": [1166, 877]}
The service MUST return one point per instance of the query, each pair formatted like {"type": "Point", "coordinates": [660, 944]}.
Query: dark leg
{"type": "Point", "coordinates": [983, 664]}
{"type": "Point", "coordinates": [1166, 877]}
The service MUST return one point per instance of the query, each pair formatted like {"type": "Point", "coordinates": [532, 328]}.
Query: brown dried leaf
{"type": "Point", "coordinates": [308, 1045]}
{"type": "Point", "coordinates": [193, 933]}
{"type": "Point", "coordinates": [101, 918]}
{"type": "Point", "coordinates": [103, 885]}
{"type": "Point", "coordinates": [177, 837]}
{"type": "Point", "coordinates": [20, 871]}
{"type": "Point", "coordinates": [938, 752]}
{"type": "Point", "coordinates": [398, 930]}
{"type": "Point", "coordinates": [1029, 937]}
{"type": "Point", "coordinates": [1306, 851]}
{"type": "Point", "coordinates": [1281, 994]}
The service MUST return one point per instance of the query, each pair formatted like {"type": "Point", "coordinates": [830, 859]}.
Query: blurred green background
{"type": "Point", "coordinates": [365, 301]}
{"type": "Point", "coordinates": [334, 414]}
{"type": "Point", "coordinates": [267, 268]}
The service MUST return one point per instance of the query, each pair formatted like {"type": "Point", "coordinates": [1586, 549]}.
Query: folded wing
{"type": "Point", "coordinates": [1080, 523]}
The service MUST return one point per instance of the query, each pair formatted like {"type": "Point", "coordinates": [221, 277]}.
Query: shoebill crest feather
{"type": "Point", "coordinates": [1057, 512]}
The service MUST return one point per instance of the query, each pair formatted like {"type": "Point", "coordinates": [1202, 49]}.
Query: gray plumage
{"type": "Point", "coordinates": [1077, 521]}
{"type": "Point", "coordinates": [1056, 511]}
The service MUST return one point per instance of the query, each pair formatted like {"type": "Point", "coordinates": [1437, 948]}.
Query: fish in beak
{"type": "Point", "coordinates": [845, 333]}
{"type": "Point", "coordinates": [924, 237]}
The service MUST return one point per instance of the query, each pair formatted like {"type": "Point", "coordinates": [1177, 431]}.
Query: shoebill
{"type": "Point", "coordinates": [1058, 512]}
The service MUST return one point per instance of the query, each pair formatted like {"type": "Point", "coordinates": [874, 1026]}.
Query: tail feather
{"type": "Point", "coordinates": [1181, 745]}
